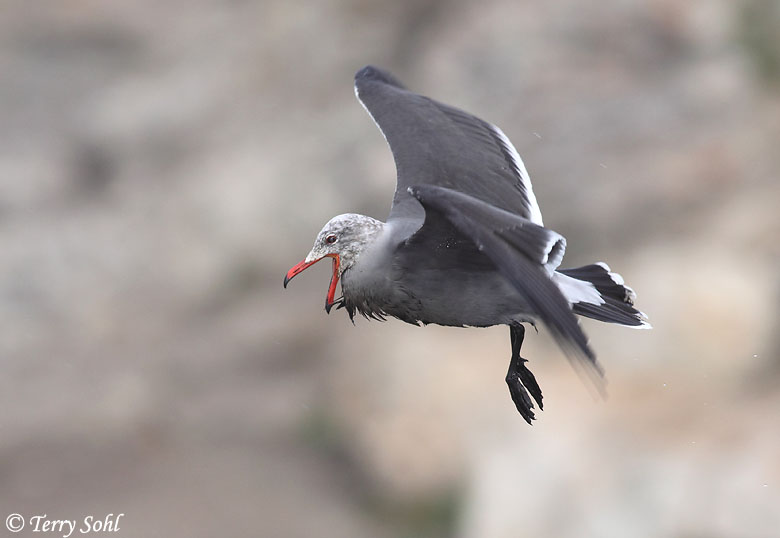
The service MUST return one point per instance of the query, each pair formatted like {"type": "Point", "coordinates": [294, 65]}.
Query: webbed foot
{"type": "Point", "coordinates": [522, 383]}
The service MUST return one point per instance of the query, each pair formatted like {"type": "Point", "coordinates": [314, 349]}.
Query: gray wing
{"type": "Point", "coordinates": [436, 144]}
{"type": "Point", "coordinates": [523, 252]}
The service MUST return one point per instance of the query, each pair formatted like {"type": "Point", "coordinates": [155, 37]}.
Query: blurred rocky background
{"type": "Point", "coordinates": [162, 165]}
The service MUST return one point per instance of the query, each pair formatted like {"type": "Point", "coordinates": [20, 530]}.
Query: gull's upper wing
{"type": "Point", "coordinates": [436, 144]}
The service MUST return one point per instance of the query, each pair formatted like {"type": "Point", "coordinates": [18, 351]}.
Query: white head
{"type": "Point", "coordinates": [343, 238]}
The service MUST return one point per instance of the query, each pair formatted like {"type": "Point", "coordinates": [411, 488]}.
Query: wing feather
{"type": "Point", "coordinates": [436, 144]}
{"type": "Point", "coordinates": [519, 249]}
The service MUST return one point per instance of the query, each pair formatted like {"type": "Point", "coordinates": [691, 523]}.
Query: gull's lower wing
{"type": "Point", "coordinates": [520, 250]}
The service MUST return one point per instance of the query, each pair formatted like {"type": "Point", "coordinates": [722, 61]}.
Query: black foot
{"type": "Point", "coordinates": [520, 379]}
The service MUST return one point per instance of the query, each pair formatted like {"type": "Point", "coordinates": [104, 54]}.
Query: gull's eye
{"type": "Point", "coordinates": [331, 238]}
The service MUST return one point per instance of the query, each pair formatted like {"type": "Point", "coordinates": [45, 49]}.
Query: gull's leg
{"type": "Point", "coordinates": [520, 379]}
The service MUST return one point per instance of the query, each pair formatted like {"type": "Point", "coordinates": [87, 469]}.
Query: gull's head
{"type": "Point", "coordinates": [343, 239]}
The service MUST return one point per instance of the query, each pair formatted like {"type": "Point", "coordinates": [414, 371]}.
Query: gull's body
{"type": "Point", "coordinates": [464, 244]}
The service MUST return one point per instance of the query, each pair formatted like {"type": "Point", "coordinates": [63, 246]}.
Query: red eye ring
{"type": "Point", "coordinates": [330, 239]}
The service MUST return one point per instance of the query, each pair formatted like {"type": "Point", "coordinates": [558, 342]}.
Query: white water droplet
{"type": "Point", "coordinates": [537, 135]}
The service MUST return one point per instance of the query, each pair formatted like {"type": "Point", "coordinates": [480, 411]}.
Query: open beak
{"type": "Point", "coordinates": [334, 280]}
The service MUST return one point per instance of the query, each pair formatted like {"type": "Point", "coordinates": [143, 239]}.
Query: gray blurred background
{"type": "Point", "coordinates": [162, 165]}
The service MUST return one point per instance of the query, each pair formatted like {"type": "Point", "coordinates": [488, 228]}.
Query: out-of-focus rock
{"type": "Point", "coordinates": [163, 164]}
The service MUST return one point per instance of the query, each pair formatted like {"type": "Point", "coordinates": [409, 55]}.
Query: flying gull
{"type": "Point", "coordinates": [464, 244]}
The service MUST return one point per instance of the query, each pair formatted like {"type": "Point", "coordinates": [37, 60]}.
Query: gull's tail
{"type": "Point", "coordinates": [596, 292]}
